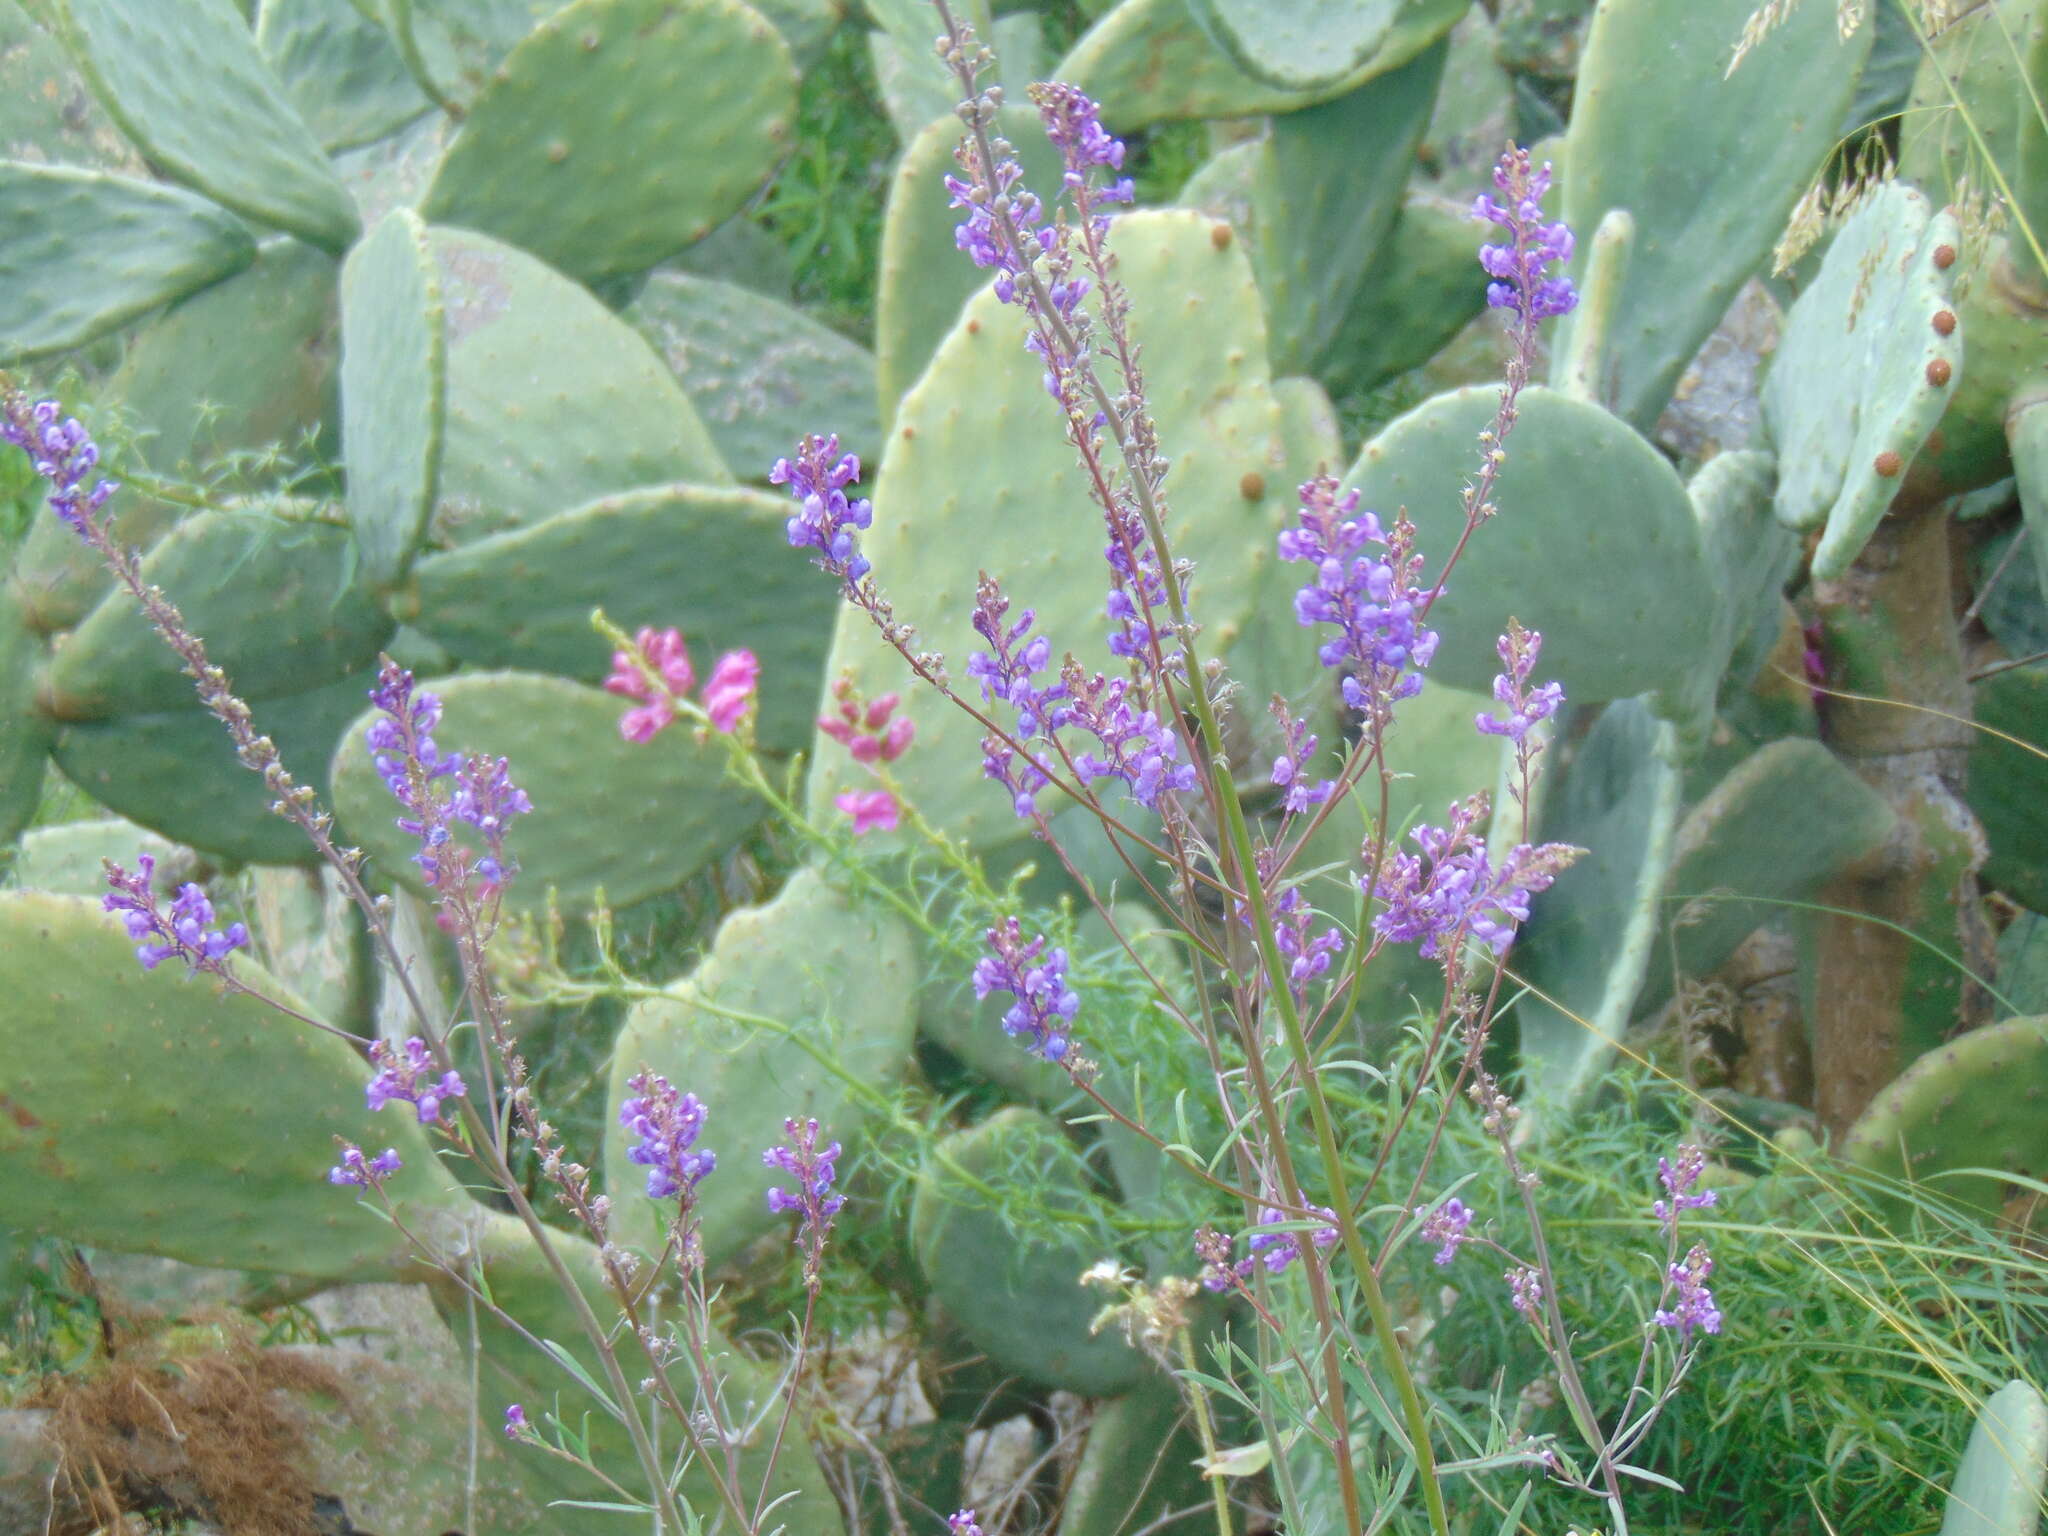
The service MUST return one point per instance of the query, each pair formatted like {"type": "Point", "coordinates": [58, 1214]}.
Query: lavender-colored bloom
{"type": "Point", "coordinates": [1213, 1249]}
{"type": "Point", "coordinates": [668, 1124]}
{"type": "Point", "coordinates": [826, 519]}
{"type": "Point", "coordinates": [1446, 1226]}
{"type": "Point", "coordinates": [1375, 602]}
{"type": "Point", "coordinates": [62, 453]}
{"type": "Point", "coordinates": [367, 1173]}
{"type": "Point", "coordinates": [187, 930]}
{"type": "Point", "coordinates": [1524, 707]}
{"type": "Point", "coordinates": [1290, 768]}
{"type": "Point", "coordinates": [409, 1075]}
{"type": "Point", "coordinates": [1461, 893]}
{"type": "Point", "coordinates": [1138, 749]}
{"type": "Point", "coordinates": [986, 239]}
{"type": "Point", "coordinates": [1525, 1291]}
{"type": "Point", "coordinates": [1008, 673]}
{"type": "Point", "coordinates": [963, 1523]}
{"type": "Point", "coordinates": [515, 1421]}
{"type": "Point", "coordinates": [812, 1195]}
{"type": "Point", "coordinates": [1308, 953]}
{"type": "Point", "coordinates": [1277, 1250]}
{"type": "Point", "coordinates": [1045, 1005]}
{"type": "Point", "coordinates": [1694, 1304]}
{"type": "Point", "coordinates": [1678, 1181]}
{"type": "Point", "coordinates": [1532, 245]}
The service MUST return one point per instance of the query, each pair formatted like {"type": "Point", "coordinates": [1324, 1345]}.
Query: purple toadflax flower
{"type": "Point", "coordinates": [62, 453]}
{"type": "Point", "coordinates": [963, 1522]}
{"type": "Point", "coordinates": [1139, 750]}
{"type": "Point", "coordinates": [1376, 602]}
{"type": "Point", "coordinates": [367, 1173]}
{"type": "Point", "coordinates": [1517, 266]}
{"type": "Point", "coordinates": [1008, 673]}
{"type": "Point", "coordinates": [826, 520]}
{"type": "Point", "coordinates": [1679, 1181]}
{"type": "Point", "coordinates": [1693, 1306]}
{"type": "Point", "coordinates": [186, 931]}
{"type": "Point", "coordinates": [1272, 1251]}
{"type": "Point", "coordinates": [1460, 893]}
{"type": "Point", "coordinates": [1045, 1005]}
{"type": "Point", "coordinates": [1525, 1292]}
{"type": "Point", "coordinates": [515, 1422]}
{"type": "Point", "coordinates": [1290, 768]}
{"type": "Point", "coordinates": [1525, 706]}
{"type": "Point", "coordinates": [812, 1195]}
{"type": "Point", "coordinates": [667, 1124]}
{"type": "Point", "coordinates": [409, 1075]}
{"type": "Point", "coordinates": [1447, 1226]}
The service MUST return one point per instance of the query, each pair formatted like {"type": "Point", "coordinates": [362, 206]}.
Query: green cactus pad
{"type": "Point", "coordinates": [1149, 61]}
{"type": "Point", "coordinates": [392, 172]}
{"type": "Point", "coordinates": [1021, 1301]}
{"type": "Point", "coordinates": [2026, 433]}
{"type": "Point", "coordinates": [176, 772]}
{"type": "Point", "coordinates": [1590, 937]}
{"type": "Point", "coordinates": [394, 370]}
{"type": "Point", "coordinates": [1297, 45]}
{"type": "Point", "coordinates": [150, 1113]}
{"type": "Point", "coordinates": [1325, 191]}
{"type": "Point", "coordinates": [1421, 289]}
{"type": "Point", "coordinates": [67, 859]}
{"type": "Point", "coordinates": [186, 81]}
{"type": "Point", "coordinates": [47, 115]}
{"type": "Point", "coordinates": [632, 819]}
{"type": "Point", "coordinates": [86, 252]}
{"type": "Point", "coordinates": [806, 25]}
{"type": "Point", "coordinates": [924, 278]}
{"type": "Point", "coordinates": [552, 399]}
{"type": "Point", "coordinates": [841, 982]}
{"type": "Point", "coordinates": [976, 477]}
{"type": "Point", "coordinates": [1998, 1485]}
{"type": "Point", "coordinates": [619, 131]}
{"type": "Point", "coordinates": [2008, 781]}
{"type": "Point", "coordinates": [1853, 390]}
{"type": "Point", "coordinates": [665, 556]}
{"type": "Point", "coordinates": [1978, 1102]}
{"type": "Point", "coordinates": [761, 373]}
{"type": "Point", "coordinates": [278, 603]}
{"type": "Point", "coordinates": [339, 68]}
{"type": "Point", "coordinates": [1774, 829]}
{"type": "Point", "coordinates": [246, 364]}
{"type": "Point", "coordinates": [1656, 128]}
{"type": "Point", "coordinates": [910, 83]}
{"type": "Point", "coordinates": [461, 42]}
{"type": "Point", "coordinates": [1138, 1468]}
{"type": "Point", "coordinates": [1980, 52]}
{"type": "Point", "coordinates": [24, 734]}
{"type": "Point", "coordinates": [1580, 492]}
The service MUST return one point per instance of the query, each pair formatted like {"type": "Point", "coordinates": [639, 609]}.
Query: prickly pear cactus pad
{"type": "Point", "coordinates": [553, 400]}
{"type": "Point", "coordinates": [972, 480]}
{"type": "Point", "coordinates": [278, 603]}
{"type": "Point", "coordinates": [1021, 1301]}
{"type": "Point", "coordinates": [759, 371]}
{"type": "Point", "coordinates": [186, 81]}
{"type": "Point", "coordinates": [1150, 61]}
{"type": "Point", "coordinates": [628, 819]}
{"type": "Point", "coordinates": [24, 734]}
{"type": "Point", "coordinates": [1863, 371]}
{"type": "Point", "coordinates": [1580, 493]}
{"type": "Point", "coordinates": [1978, 1102]}
{"type": "Point", "coordinates": [47, 115]}
{"type": "Point", "coordinates": [147, 1112]}
{"type": "Point", "coordinates": [1656, 128]}
{"type": "Point", "coordinates": [394, 374]}
{"type": "Point", "coordinates": [1997, 1489]}
{"type": "Point", "coordinates": [87, 251]}
{"type": "Point", "coordinates": [1416, 295]}
{"type": "Point", "coordinates": [664, 556]}
{"type": "Point", "coordinates": [789, 963]}
{"type": "Point", "coordinates": [2008, 781]}
{"type": "Point", "coordinates": [340, 68]}
{"type": "Point", "coordinates": [619, 131]}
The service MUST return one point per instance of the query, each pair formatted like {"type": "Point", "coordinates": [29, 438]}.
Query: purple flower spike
{"type": "Point", "coordinates": [515, 1421]}
{"type": "Point", "coordinates": [1045, 1005]}
{"type": "Point", "coordinates": [826, 520]}
{"type": "Point", "coordinates": [1446, 1226]}
{"type": "Point", "coordinates": [812, 1194]}
{"type": "Point", "coordinates": [1139, 750]}
{"type": "Point", "coordinates": [366, 1173]}
{"type": "Point", "coordinates": [410, 1076]}
{"type": "Point", "coordinates": [1518, 265]}
{"type": "Point", "coordinates": [186, 931]}
{"type": "Point", "coordinates": [62, 453]}
{"type": "Point", "coordinates": [963, 1522]}
{"type": "Point", "coordinates": [1290, 768]}
{"type": "Point", "coordinates": [1525, 1291]}
{"type": "Point", "coordinates": [1461, 893]}
{"type": "Point", "coordinates": [1074, 125]}
{"type": "Point", "coordinates": [1678, 1182]}
{"type": "Point", "coordinates": [668, 1124]}
{"type": "Point", "coordinates": [1008, 673]}
{"type": "Point", "coordinates": [1272, 1251]}
{"type": "Point", "coordinates": [1694, 1306]}
{"type": "Point", "coordinates": [1524, 706]}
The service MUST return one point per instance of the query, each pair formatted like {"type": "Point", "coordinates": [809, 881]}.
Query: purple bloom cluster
{"type": "Point", "coordinates": [983, 236]}
{"type": "Point", "coordinates": [1524, 706]}
{"type": "Point", "coordinates": [409, 1076]}
{"type": "Point", "coordinates": [1460, 892]}
{"type": "Point", "coordinates": [963, 1522]}
{"type": "Point", "coordinates": [812, 1194]}
{"type": "Point", "coordinates": [1037, 978]}
{"type": "Point", "coordinates": [1138, 749]}
{"type": "Point", "coordinates": [1308, 953]}
{"type": "Point", "coordinates": [1693, 1306]}
{"type": "Point", "coordinates": [1074, 125]}
{"type": "Point", "coordinates": [482, 794]}
{"type": "Point", "coordinates": [62, 453]}
{"type": "Point", "coordinates": [187, 931]}
{"type": "Point", "coordinates": [365, 1173]}
{"type": "Point", "coordinates": [1679, 1181]}
{"type": "Point", "coordinates": [1376, 602]}
{"type": "Point", "coordinates": [1273, 1251]}
{"type": "Point", "coordinates": [1008, 672]}
{"type": "Point", "coordinates": [826, 519]}
{"type": "Point", "coordinates": [1446, 1226]}
{"type": "Point", "coordinates": [1525, 1291]}
{"type": "Point", "coordinates": [668, 1124]}
{"type": "Point", "coordinates": [1517, 266]}
{"type": "Point", "coordinates": [515, 1421]}
{"type": "Point", "coordinates": [1290, 768]}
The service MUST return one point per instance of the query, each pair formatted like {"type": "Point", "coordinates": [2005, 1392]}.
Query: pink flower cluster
{"type": "Point", "coordinates": [728, 694]}
{"type": "Point", "coordinates": [870, 735]}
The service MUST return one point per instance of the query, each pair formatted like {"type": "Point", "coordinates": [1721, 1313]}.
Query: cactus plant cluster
{"type": "Point", "coordinates": [439, 254]}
